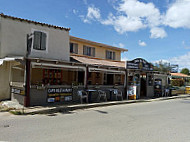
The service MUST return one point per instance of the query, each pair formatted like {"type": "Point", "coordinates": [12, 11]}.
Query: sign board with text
{"type": "Point", "coordinates": [59, 95]}
{"type": "Point", "coordinates": [139, 64]}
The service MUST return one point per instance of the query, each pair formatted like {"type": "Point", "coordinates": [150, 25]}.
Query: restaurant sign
{"type": "Point", "coordinates": [59, 95]}
{"type": "Point", "coordinates": [17, 91]}
{"type": "Point", "coordinates": [139, 64]}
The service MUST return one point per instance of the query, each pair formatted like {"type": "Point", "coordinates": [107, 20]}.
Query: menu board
{"type": "Point", "coordinates": [59, 95]}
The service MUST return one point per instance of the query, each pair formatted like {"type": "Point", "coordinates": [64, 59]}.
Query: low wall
{"type": "Point", "coordinates": [18, 94]}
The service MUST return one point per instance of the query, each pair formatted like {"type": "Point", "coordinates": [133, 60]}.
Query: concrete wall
{"type": "Point", "coordinates": [13, 40]}
{"type": "Point", "coordinates": [100, 52]}
{"type": "Point", "coordinates": [163, 77]}
{"type": "Point", "coordinates": [150, 91]}
{"type": "Point", "coordinates": [17, 75]}
{"type": "Point", "coordinates": [4, 81]}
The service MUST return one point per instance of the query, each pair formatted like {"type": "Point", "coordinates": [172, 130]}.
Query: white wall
{"type": "Point", "coordinates": [4, 81]}
{"type": "Point", "coordinates": [13, 40]}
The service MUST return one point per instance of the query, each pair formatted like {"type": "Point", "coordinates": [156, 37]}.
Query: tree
{"type": "Point", "coordinates": [185, 71]}
{"type": "Point", "coordinates": [162, 67]}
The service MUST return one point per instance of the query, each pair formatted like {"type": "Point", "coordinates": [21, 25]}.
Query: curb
{"type": "Point", "coordinates": [64, 109]}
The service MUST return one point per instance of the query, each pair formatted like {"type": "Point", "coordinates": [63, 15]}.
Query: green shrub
{"type": "Point", "coordinates": [177, 82]}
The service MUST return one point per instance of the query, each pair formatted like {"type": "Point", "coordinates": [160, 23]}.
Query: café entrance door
{"type": "Point", "coordinates": [143, 86]}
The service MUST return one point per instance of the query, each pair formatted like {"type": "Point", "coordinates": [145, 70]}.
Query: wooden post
{"type": "Point", "coordinates": [86, 77]}
{"type": "Point", "coordinates": [27, 83]}
{"type": "Point", "coordinates": [126, 83]}
{"type": "Point", "coordinates": [27, 74]}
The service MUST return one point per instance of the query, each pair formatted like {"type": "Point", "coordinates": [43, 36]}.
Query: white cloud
{"type": "Point", "coordinates": [182, 61]}
{"type": "Point", "coordinates": [121, 45]}
{"type": "Point", "coordinates": [147, 12]}
{"type": "Point", "coordinates": [185, 46]}
{"type": "Point", "coordinates": [124, 24]}
{"type": "Point", "coordinates": [157, 33]}
{"type": "Point", "coordinates": [75, 11]}
{"type": "Point", "coordinates": [142, 43]}
{"type": "Point", "coordinates": [124, 57]}
{"type": "Point", "coordinates": [134, 15]}
{"type": "Point", "coordinates": [92, 15]}
{"type": "Point", "coordinates": [178, 15]}
{"type": "Point", "coordinates": [131, 16]}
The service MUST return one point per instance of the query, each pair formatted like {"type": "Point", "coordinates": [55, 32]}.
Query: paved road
{"type": "Point", "coordinates": [160, 121]}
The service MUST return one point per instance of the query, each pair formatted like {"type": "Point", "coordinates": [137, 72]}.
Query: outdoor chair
{"type": "Point", "coordinates": [102, 94]}
{"type": "Point", "coordinates": [117, 93]}
{"type": "Point", "coordinates": [83, 95]}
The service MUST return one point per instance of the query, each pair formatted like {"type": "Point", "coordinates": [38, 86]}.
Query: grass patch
{"type": "Point", "coordinates": [17, 112]}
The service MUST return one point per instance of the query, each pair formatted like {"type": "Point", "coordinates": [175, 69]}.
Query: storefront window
{"type": "Point", "coordinates": [57, 77]}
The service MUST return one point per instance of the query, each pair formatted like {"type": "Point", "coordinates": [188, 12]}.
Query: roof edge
{"type": "Point", "coordinates": [34, 22]}
{"type": "Point", "coordinates": [97, 43]}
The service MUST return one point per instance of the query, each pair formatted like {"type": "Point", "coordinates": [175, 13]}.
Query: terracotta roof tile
{"type": "Point", "coordinates": [179, 74]}
{"type": "Point", "coordinates": [30, 21]}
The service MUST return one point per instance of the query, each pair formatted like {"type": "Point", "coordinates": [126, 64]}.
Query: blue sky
{"type": "Point", "coordinates": [152, 29]}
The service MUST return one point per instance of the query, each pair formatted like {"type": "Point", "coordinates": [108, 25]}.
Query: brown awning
{"type": "Point", "coordinates": [97, 61]}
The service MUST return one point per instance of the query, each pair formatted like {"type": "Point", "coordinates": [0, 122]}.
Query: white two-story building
{"type": "Point", "coordinates": [48, 42]}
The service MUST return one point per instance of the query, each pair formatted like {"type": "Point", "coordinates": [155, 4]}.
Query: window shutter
{"type": "Point", "coordinates": [93, 51]}
{"type": "Point", "coordinates": [84, 50]}
{"type": "Point", "coordinates": [75, 48]}
{"type": "Point", "coordinates": [88, 51]}
{"type": "Point", "coordinates": [113, 56]}
{"type": "Point", "coordinates": [71, 47]}
{"type": "Point", "coordinates": [43, 41]}
{"type": "Point", "coordinates": [37, 37]}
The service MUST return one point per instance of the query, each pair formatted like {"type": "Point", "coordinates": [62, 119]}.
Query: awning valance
{"type": "Point", "coordinates": [6, 59]}
{"type": "Point", "coordinates": [106, 70]}
{"type": "Point", "coordinates": [48, 65]}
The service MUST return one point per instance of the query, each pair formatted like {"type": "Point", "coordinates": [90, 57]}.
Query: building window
{"type": "Point", "coordinates": [89, 51]}
{"type": "Point", "coordinates": [74, 48]}
{"type": "Point", "coordinates": [39, 40]}
{"type": "Point", "coordinates": [110, 55]}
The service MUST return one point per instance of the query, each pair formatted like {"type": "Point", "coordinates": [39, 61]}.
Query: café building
{"type": "Point", "coordinates": [41, 64]}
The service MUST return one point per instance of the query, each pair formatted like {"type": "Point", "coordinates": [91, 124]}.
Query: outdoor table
{"type": "Point", "coordinates": [90, 94]}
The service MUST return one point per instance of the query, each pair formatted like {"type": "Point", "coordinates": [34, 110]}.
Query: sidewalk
{"type": "Point", "coordinates": [68, 108]}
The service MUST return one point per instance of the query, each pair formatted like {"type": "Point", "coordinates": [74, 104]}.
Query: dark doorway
{"type": "Point", "coordinates": [81, 77]}
{"type": "Point", "coordinates": [109, 79]}
{"type": "Point", "coordinates": [143, 87]}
